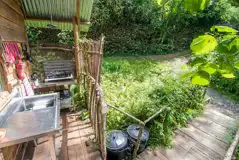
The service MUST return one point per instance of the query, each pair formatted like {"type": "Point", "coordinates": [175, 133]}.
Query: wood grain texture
{"type": "Point", "coordinates": [72, 143]}
{"type": "Point", "coordinates": [11, 22]}
{"type": "Point", "coordinates": [15, 5]}
{"type": "Point", "coordinates": [202, 139]}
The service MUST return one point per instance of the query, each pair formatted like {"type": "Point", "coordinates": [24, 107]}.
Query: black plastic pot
{"type": "Point", "coordinates": [133, 132]}
{"type": "Point", "coordinates": [117, 145]}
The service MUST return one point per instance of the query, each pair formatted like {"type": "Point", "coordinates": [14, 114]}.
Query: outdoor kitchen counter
{"type": "Point", "coordinates": [30, 118]}
{"type": "Point", "coordinates": [30, 125]}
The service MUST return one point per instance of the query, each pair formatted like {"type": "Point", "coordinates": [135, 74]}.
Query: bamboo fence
{"type": "Point", "coordinates": [90, 54]}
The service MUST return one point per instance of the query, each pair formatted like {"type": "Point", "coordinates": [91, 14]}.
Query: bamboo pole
{"type": "Point", "coordinates": [138, 141]}
{"type": "Point", "coordinates": [103, 109]}
{"type": "Point", "coordinates": [55, 48]}
{"type": "Point", "coordinates": [156, 114]}
{"type": "Point", "coordinates": [232, 147]}
{"type": "Point", "coordinates": [77, 48]}
{"type": "Point", "coordinates": [100, 57]}
{"type": "Point", "coordinates": [129, 115]}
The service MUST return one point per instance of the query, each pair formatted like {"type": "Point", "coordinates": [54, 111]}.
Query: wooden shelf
{"type": "Point", "coordinates": [54, 84]}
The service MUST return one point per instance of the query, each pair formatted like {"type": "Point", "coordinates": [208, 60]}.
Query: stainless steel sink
{"type": "Point", "coordinates": [38, 102]}
{"type": "Point", "coordinates": [28, 118]}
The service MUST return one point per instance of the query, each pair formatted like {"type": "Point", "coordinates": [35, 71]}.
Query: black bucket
{"type": "Point", "coordinates": [133, 132]}
{"type": "Point", "coordinates": [117, 145]}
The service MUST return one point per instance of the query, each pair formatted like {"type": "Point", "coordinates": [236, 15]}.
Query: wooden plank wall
{"type": "Point", "coordinates": [11, 21]}
{"type": "Point", "coordinates": [12, 30]}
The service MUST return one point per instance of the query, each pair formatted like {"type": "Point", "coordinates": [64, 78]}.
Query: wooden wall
{"type": "Point", "coordinates": [11, 30]}
{"type": "Point", "coordinates": [11, 21]}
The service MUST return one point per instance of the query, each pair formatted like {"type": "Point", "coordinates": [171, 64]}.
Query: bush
{"type": "Point", "coordinates": [137, 27]}
{"type": "Point", "coordinates": [142, 87]}
{"type": "Point", "coordinates": [227, 86]}
{"type": "Point", "coordinates": [78, 94]}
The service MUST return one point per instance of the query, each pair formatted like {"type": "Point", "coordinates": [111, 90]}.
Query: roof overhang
{"type": "Point", "coordinates": [40, 13]}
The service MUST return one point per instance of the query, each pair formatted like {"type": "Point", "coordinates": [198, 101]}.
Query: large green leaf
{"type": "Point", "coordinates": [228, 38]}
{"type": "Point", "coordinates": [234, 46]}
{"type": "Point", "coordinates": [223, 29]}
{"type": "Point", "coordinates": [201, 78]}
{"type": "Point", "coordinates": [210, 68]}
{"type": "Point", "coordinates": [236, 65]}
{"type": "Point", "coordinates": [196, 5]}
{"type": "Point", "coordinates": [226, 68]}
{"type": "Point", "coordinates": [198, 61]}
{"type": "Point", "coordinates": [187, 75]}
{"type": "Point", "coordinates": [224, 43]}
{"type": "Point", "coordinates": [203, 44]}
{"type": "Point", "coordinates": [230, 75]}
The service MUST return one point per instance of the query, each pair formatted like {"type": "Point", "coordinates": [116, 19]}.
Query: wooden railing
{"type": "Point", "coordinates": [90, 54]}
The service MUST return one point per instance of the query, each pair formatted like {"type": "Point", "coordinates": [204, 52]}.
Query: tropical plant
{"type": "Point", "coordinates": [33, 33]}
{"type": "Point", "coordinates": [78, 96]}
{"type": "Point", "coordinates": [215, 52]}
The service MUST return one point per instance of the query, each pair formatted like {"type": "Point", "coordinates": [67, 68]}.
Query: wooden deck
{"type": "Point", "coordinates": [204, 138]}
{"type": "Point", "coordinates": [74, 142]}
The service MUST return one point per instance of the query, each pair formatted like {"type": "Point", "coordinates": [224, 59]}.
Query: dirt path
{"type": "Point", "coordinates": [165, 57]}
{"type": "Point", "coordinates": [168, 57]}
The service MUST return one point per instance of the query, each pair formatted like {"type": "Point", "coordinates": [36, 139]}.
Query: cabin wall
{"type": "Point", "coordinates": [11, 21]}
{"type": "Point", "coordinates": [11, 30]}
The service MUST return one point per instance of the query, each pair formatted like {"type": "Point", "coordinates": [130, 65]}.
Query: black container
{"type": "Point", "coordinates": [117, 145]}
{"type": "Point", "coordinates": [133, 132]}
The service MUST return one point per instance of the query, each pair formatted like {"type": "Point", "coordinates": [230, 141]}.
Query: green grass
{"type": "Point", "coordinates": [141, 87]}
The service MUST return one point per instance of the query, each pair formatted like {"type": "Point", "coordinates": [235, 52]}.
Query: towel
{"type": "Point", "coordinates": [12, 52]}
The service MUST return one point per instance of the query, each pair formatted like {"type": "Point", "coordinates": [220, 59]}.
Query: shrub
{"type": "Point", "coordinates": [227, 86]}
{"type": "Point", "coordinates": [142, 87]}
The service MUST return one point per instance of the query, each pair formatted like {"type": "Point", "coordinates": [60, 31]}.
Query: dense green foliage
{"type": "Point", "coordinates": [229, 87]}
{"type": "Point", "coordinates": [156, 26]}
{"type": "Point", "coordinates": [217, 52]}
{"type": "Point", "coordinates": [141, 87]}
{"type": "Point", "coordinates": [50, 35]}
{"type": "Point", "coordinates": [135, 27]}
{"type": "Point", "coordinates": [237, 153]}
{"type": "Point", "coordinates": [78, 94]}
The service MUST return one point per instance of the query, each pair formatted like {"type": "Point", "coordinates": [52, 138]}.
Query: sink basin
{"type": "Point", "coordinates": [38, 102]}
{"type": "Point", "coordinates": [29, 118]}
{"type": "Point", "coordinates": [31, 103]}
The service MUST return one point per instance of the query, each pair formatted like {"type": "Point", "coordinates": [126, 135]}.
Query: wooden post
{"type": "Point", "coordinates": [138, 141]}
{"type": "Point", "coordinates": [52, 147]}
{"type": "Point", "coordinates": [77, 48]}
{"type": "Point", "coordinates": [102, 37]}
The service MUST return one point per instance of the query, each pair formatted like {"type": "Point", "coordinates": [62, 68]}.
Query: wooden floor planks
{"type": "Point", "coordinates": [204, 138]}
{"type": "Point", "coordinates": [74, 142]}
